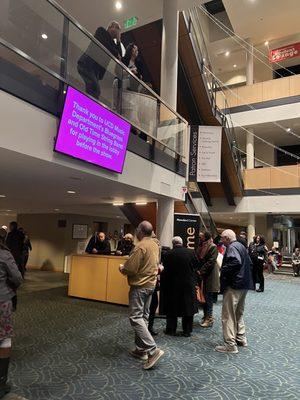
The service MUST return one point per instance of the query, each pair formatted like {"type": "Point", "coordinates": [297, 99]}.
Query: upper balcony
{"type": "Point", "coordinates": [40, 45]}
{"type": "Point", "coordinates": [275, 89]}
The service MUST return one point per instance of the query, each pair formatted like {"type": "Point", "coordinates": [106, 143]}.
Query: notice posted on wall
{"type": "Point", "coordinates": [209, 154]}
{"type": "Point", "coordinates": [90, 132]}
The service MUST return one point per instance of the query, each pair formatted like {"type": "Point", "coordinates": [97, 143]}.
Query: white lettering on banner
{"type": "Point", "coordinates": [209, 154]}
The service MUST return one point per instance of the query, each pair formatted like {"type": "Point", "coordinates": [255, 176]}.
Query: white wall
{"type": "Point", "coordinates": [20, 121]}
{"type": "Point", "coordinates": [50, 243]}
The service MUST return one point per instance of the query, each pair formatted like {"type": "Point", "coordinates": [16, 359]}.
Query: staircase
{"type": "Point", "coordinates": [286, 266]}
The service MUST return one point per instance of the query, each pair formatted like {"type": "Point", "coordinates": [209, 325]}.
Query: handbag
{"type": "Point", "coordinates": [200, 294]}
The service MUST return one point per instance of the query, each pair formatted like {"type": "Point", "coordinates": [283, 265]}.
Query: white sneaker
{"type": "Point", "coordinates": [227, 349]}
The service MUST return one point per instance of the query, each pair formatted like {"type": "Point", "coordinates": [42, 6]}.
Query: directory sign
{"type": "Point", "coordinates": [92, 133]}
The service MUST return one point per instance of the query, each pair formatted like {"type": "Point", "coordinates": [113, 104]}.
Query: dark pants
{"type": "Point", "coordinates": [187, 324]}
{"type": "Point", "coordinates": [208, 305]}
{"type": "Point", "coordinates": [260, 275]}
{"type": "Point", "coordinates": [296, 269]}
{"type": "Point", "coordinates": [90, 79]}
{"type": "Point", "coordinates": [153, 307]}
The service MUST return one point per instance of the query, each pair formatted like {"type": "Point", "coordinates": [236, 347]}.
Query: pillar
{"type": "Point", "coordinates": [169, 53]}
{"type": "Point", "coordinates": [251, 227]}
{"type": "Point", "coordinates": [269, 237]}
{"type": "Point", "coordinates": [250, 149]}
{"type": "Point", "coordinates": [249, 65]}
{"type": "Point", "coordinates": [165, 221]}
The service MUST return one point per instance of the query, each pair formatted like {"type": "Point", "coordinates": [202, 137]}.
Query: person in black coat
{"type": "Point", "coordinates": [15, 242]}
{"type": "Point", "coordinates": [178, 287]}
{"type": "Point", "coordinates": [236, 280]}
{"type": "Point", "coordinates": [98, 244]}
{"type": "Point", "coordinates": [93, 63]}
{"type": "Point", "coordinates": [125, 246]}
{"type": "Point", "coordinates": [258, 252]}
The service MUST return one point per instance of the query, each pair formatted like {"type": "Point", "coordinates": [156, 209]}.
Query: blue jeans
{"type": "Point", "coordinates": [139, 306]}
{"type": "Point", "coordinates": [208, 306]}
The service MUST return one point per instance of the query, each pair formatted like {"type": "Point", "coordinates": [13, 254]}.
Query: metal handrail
{"type": "Point", "coordinates": [92, 38]}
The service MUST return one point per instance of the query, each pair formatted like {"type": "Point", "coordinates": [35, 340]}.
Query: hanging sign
{"type": "Point", "coordinates": [284, 53]}
{"type": "Point", "coordinates": [205, 154]}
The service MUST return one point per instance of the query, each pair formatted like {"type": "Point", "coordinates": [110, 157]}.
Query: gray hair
{"type": "Point", "coordinates": [229, 234]}
{"type": "Point", "coordinates": [177, 241]}
{"type": "Point", "coordinates": [146, 228]}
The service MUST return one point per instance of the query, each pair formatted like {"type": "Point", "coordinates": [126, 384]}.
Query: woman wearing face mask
{"type": "Point", "coordinates": [258, 253]}
{"type": "Point", "coordinates": [125, 246]}
{"type": "Point", "coordinates": [208, 272]}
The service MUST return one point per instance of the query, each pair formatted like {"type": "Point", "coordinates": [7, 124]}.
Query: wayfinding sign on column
{"type": "Point", "coordinates": [187, 227]}
{"type": "Point", "coordinates": [205, 154]}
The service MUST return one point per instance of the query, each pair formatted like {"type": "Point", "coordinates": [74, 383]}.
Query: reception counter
{"type": "Point", "coordinates": [98, 278]}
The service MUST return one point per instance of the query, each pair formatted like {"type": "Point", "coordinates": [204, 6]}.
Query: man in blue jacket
{"type": "Point", "coordinates": [236, 280]}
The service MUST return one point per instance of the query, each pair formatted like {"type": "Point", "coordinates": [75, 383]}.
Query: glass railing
{"type": "Point", "coordinates": [53, 45]}
{"type": "Point", "coordinates": [213, 88]}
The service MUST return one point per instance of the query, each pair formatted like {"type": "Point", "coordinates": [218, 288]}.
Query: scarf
{"type": "Point", "coordinates": [203, 248]}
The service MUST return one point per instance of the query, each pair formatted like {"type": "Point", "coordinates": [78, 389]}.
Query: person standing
{"type": "Point", "coordinates": [296, 261]}
{"type": "Point", "coordinates": [208, 272]}
{"type": "Point", "coordinates": [258, 252]}
{"type": "Point", "coordinates": [125, 246]}
{"type": "Point", "coordinates": [10, 280]}
{"type": "Point", "coordinates": [15, 242]}
{"type": "Point", "coordinates": [236, 280]}
{"type": "Point", "coordinates": [178, 287]}
{"type": "Point", "coordinates": [98, 244]}
{"type": "Point", "coordinates": [141, 271]}
{"type": "Point", "coordinates": [93, 63]}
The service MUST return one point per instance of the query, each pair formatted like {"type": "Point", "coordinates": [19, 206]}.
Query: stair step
{"type": "Point", "coordinates": [278, 272]}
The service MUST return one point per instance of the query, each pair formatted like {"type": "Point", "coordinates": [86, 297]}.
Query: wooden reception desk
{"type": "Point", "coordinates": [98, 278]}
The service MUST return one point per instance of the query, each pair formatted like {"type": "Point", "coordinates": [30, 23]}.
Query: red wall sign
{"type": "Point", "coordinates": [284, 53]}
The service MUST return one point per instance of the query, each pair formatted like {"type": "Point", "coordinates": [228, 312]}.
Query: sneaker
{"type": "Point", "coordinates": [153, 358]}
{"type": "Point", "coordinates": [207, 323]}
{"type": "Point", "coordinates": [141, 355]}
{"type": "Point", "coordinates": [227, 349]}
{"type": "Point", "coordinates": [242, 343]}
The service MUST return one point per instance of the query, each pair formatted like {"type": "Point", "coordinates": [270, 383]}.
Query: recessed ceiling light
{"type": "Point", "coordinates": [44, 36]}
{"type": "Point", "coordinates": [8, 210]}
{"type": "Point", "coordinates": [56, 209]}
{"type": "Point", "coordinates": [288, 130]}
{"type": "Point", "coordinates": [118, 204]}
{"type": "Point", "coordinates": [118, 5]}
{"type": "Point", "coordinates": [234, 65]}
{"type": "Point", "coordinates": [204, 59]}
{"type": "Point", "coordinates": [2, 195]}
{"type": "Point", "coordinates": [266, 43]}
{"type": "Point", "coordinates": [71, 192]}
{"type": "Point", "coordinates": [141, 203]}
{"type": "Point", "coordinates": [227, 53]}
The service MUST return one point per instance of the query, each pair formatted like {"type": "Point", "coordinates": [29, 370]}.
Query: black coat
{"type": "Point", "coordinates": [236, 271]}
{"type": "Point", "coordinates": [178, 281]}
{"type": "Point", "coordinates": [101, 247]}
{"type": "Point", "coordinates": [209, 270]}
{"type": "Point", "coordinates": [15, 243]}
{"type": "Point", "coordinates": [94, 58]}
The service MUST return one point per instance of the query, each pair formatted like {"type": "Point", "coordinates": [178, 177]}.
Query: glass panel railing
{"type": "Point", "coordinates": [52, 41]}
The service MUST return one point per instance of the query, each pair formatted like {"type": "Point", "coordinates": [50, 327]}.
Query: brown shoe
{"type": "Point", "coordinates": [141, 355]}
{"type": "Point", "coordinates": [153, 358]}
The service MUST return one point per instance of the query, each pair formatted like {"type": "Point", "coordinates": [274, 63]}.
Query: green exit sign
{"type": "Point", "coordinates": [130, 22]}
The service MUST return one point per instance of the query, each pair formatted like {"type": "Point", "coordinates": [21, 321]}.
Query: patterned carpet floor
{"type": "Point", "coordinates": [73, 349]}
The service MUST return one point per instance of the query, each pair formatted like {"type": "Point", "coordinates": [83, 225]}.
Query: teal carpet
{"type": "Point", "coordinates": [75, 349]}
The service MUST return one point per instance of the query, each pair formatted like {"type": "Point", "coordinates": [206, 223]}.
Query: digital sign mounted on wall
{"type": "Point", "coordinates": [90, 132]}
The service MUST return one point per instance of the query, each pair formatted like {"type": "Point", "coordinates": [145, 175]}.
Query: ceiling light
{"type": "Point", "coordinates": [44, 36]}
{"type": "Point", "coordinates": [118, 5]}
{"type": "Point", "coordinates": [8, 210]}
{"type": "Point", "coordinates": [227, 53]}
{"type": "Point", "coordinates": [204, 59]}
{"type": "Point", "coordinates": [141, 203]}
{"type": "Point", "coordinates": [234, 65]}
{"type": "Point", "coordinates": [266, 43]}
{"type": "Point", "coordinates": [56, 209]}
{"type": "Point", "coordinates": [288, 130]}
{"type": "Point", "coordinates": [71, 192]}
{"type": "Point", "coordinates": [118, 204]}
{"type": "Point", "coordinates": [2, 195]}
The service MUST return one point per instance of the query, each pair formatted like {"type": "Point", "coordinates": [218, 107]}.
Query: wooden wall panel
{"type": "Point", "coordinates": [250, 94]}
{"type": "Point", "coordinates": [285, 177]}
{"type": "Point", "coordinates": [294, 85]}
{"type": "Point", "coordinates": [276, 89]}
{"type": "Point", "coordinates": [258, 178]}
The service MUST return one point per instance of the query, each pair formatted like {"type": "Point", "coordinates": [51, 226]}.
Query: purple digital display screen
{"type": "Point", "coordinates": [92, 133]}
